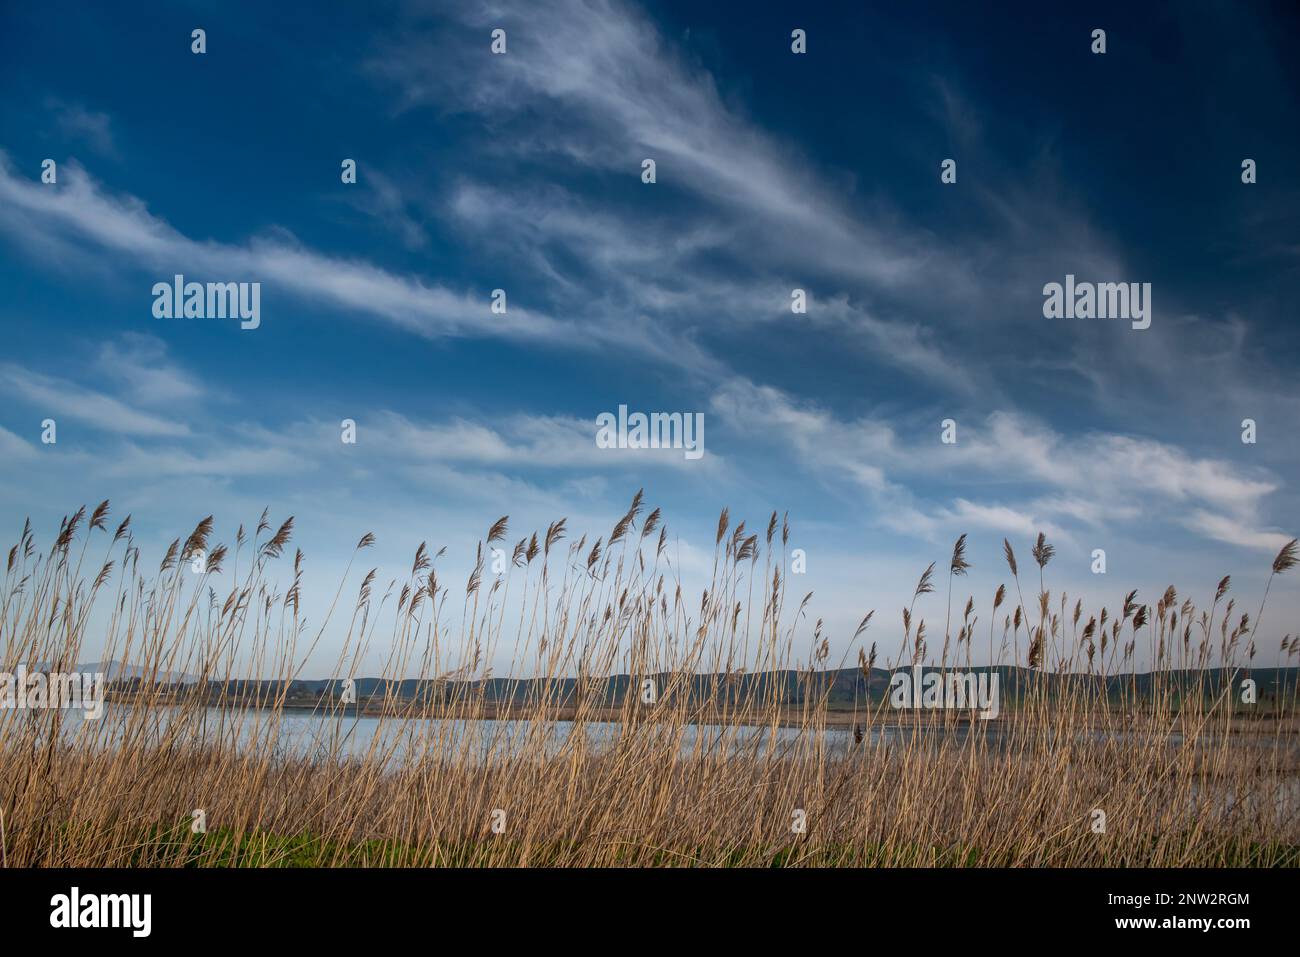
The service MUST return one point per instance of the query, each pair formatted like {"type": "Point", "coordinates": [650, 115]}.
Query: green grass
{"type": "Point", "coordinates": [177, 846]}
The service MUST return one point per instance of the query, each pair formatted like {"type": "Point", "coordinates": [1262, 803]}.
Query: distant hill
{"type": "Point", "coordinates": [116, 671]}
{"type": "Point", "coordinates": [843, 687]}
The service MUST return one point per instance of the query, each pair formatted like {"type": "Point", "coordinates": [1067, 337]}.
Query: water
{"type": "Point", "coordinates": [398, 741]}
{"type": "Point", "coordinates": [302, 734]}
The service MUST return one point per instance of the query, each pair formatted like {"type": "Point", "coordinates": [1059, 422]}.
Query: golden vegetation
{"type": "Point", "coordinates": [1178, 779]}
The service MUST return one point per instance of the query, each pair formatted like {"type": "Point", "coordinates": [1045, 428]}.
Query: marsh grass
{"type": "Point", "coordinates": [1183, 777]}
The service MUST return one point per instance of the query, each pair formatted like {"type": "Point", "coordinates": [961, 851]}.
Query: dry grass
{"type": "Point", "coordinates": [1178, 780]}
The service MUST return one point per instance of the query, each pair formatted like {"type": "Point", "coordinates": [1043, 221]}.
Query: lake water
{"type": "Point", "coordinates": [304, 734]}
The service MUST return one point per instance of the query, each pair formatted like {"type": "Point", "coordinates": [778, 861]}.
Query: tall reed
{"type": "Point", "coordinates": [727, 743]}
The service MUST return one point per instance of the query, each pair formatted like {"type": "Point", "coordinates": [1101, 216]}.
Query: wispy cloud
{"type": "Point", "coordinates": [80, 209]}
{"type": "Point", "coordinates": [628, 95]}
{"type": "Point", "coordinates": [1046, 480]}
{"type": "Point", "coordinates": [13, 448]}
{"type": "Point", "coordinates": [54, 397]}
{"type": "Point", "coordinates": [140, 364]}
{"type": "Point", "coordinates": [83, 125]}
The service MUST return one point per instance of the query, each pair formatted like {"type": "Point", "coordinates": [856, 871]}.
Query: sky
{"type": "Point", "coordinates": [774, 171]}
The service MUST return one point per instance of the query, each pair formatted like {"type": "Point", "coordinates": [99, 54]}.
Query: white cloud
{"type": "Point", "coordinates": [89, 126]}
{"type": "Point", "coordinates": [1098, 479]}
{"type": "Point", "coordinates": [1002, 518]}
{"type": "Point", "coordinates": [626, 96]}
{"type": "Point", "coordinates": [55, 397]}
{"type": "Point", "coordinates": [381, 198]}
{"type": "Point", "coordinates": [13, 448]}
{"type": "Point", "coordinates": [82, 211]}
{"type": "Point", "coordinates": [139, 364]}
{"type": "Point", "coordinates": [1227, 529]}
{"type": "Point", "coordinates": [518, 441]}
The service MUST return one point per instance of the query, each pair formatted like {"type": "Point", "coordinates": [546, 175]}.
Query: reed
{"type": "Point", "coordinates": [709, 766]}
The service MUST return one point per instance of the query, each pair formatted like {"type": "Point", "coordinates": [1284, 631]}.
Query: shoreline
{"type": "Point", "coordinates": [829, 719]}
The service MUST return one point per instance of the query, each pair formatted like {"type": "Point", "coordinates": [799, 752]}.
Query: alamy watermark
{"type": "Point", "coordinates": [75, 909]}
{"type": "Point", "coordinates": [657, 430]}
{"type": "Point", "coordinates": [213, 300]}
{"type": "Point", "coordinates": [1103, 300]}
{"type": "Point", "coordinates": [38, 691]}
{"type": "Point", "coordinates": [961, 690]}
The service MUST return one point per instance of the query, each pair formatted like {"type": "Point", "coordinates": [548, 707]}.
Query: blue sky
{"type": "Point", "coordinates": [774, 171]}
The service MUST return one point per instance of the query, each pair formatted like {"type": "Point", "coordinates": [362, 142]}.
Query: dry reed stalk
{"type": "Point", "coordinates": [709, 770]}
